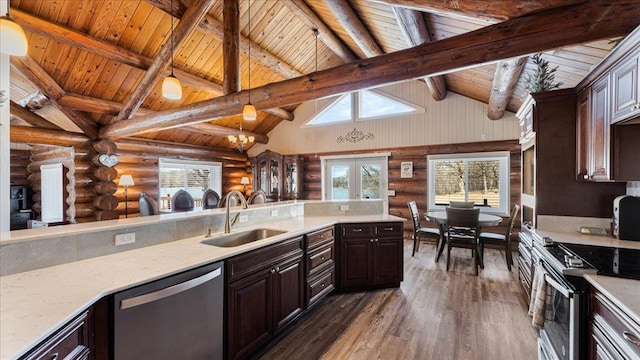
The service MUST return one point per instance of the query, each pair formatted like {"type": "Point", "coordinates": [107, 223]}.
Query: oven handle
{"type": "Point", "coordinates": [568, 293]}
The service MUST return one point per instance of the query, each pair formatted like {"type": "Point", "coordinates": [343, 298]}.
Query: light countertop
{"type": "Point", "coordinates": [578, 238]}
{"type": "Point", "coordinates": [625, 293]}
{"type": "Point", "coordinates": [34, 304]}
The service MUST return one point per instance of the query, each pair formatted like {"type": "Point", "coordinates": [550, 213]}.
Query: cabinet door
{"type": "Point", "coordinates": [600, 122]}
{"type": "Point", "coordinates": [250, 314]}
{"type": "Point", "coordinates": [624, 87]}
{"type": "Point", "coordinates": [356, 262]}
{"type": "Point", "coordinates": [387, 261]}
{"type": "Point", "coordinates": [583, 137]}
{"type": "Point", "coordinates": [288, 292]}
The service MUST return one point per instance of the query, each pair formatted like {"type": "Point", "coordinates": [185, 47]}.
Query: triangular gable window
{"type": "Point", "coordinates": [362, 105]}
{"type": "Point", "coordinates": [376, 105]}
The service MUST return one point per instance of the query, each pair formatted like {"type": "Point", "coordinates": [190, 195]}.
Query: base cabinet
{"type": "Point", "coordinates": [72, 342]}
{"type": "Point", "coordinates": [614, 334]}
{"type": "Point", "coordinates": [371, 255]}
{"type": "Point", "coordinates": [320, 265]}
{"type": "Point", "coordinates": [265, 293]}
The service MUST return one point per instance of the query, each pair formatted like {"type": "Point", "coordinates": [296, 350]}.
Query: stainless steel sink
{"type": "Point", "coordinates": [242, 237]}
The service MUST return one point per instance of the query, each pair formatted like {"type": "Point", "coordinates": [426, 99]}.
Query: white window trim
{"type": "Point", "coordinates": [323, 166]}
{"type": "Point", "coordinates": [163, 162]}
{"type": "Point", "coordinates": [503, 156]}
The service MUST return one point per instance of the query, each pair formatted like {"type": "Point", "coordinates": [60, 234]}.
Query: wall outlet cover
{"type": "Point", "coordinates": [244, 218]}
{"type": "Point", "coordinates": [274, 212]}
{"type": "Point", "coordinates": [344, 207]}
{"type": "Point", "coordinates": [124, 239]}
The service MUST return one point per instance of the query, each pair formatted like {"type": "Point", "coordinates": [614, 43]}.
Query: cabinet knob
{"type": "Point", "coordinates": [585, 176]}
{"type": "Point", "coordinates": [370, 240]}
{"type": "Point", "coordinates": [376, 240]}
{"type": "Point", "coordinates": [630, 337]}
{"type": "Point", "coordinates": [322, 285]}
{"type": "Point", "coordinates": [273, 271]}
{"type": "Point", "coordinates": [321, 257]}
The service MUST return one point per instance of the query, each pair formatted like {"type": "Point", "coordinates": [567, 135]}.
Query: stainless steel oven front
{"type": "Point", "coordinates": [563, 334]}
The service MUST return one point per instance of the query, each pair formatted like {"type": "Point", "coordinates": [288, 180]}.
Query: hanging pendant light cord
{"type": "Point", "coordinates": [172, 38]}
{"type": "Point", "coordinates": [249, 52]}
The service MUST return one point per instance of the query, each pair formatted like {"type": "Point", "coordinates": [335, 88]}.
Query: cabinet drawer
{"type": "Point", "coordinates": [389, 229]}
{"type": "Point", "coordinates": [256, 260]}
{"type": "Point", "coordinates": [320, 258]}
{"type": "Point", "coordinates": [71, 342]}
{"type": "Point", "coordinates": [357, 230]}
{"type": "Point", "coordinates": [616, 325]}
{"type": "Point", "coordinates": [320, 287]}
{"type": "Point", "coordinates": [318, 237]}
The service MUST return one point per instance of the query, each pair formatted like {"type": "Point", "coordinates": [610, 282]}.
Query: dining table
{"type": "Point", "coordinates": [440, 218]}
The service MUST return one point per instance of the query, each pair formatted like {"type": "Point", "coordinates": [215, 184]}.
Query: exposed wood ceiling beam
{"type": "Point", "coordinates": [350, 21]}
{"type": "Point", "coordinates": [34, 73]}
{"type": "Point", "coordinates": [313, 21]}
{"type": "Point", "coordinates": [183, 151]}
{"type": "Point", "coordinates": [504, 83]}
{"type": "Point", "coordinates": [528, 34]}
{"type": "Point", "coordinates": [39, 136]}
{"type": "Point", "coordinates": [414, 28]}
{"type": "Point", "coordinates": [31, 118]}
{"type": "Point", "coordinates": [102, 106]}
{"type": "Point", "coordinates": [113, 52]}
{"type": "Point", "coordinates": [215, 29]}
{"type": "Point", "coordinates": [194, 14]}
{"type": "Point", "coordinates": [494, 11]}
{"type": "Point", "coordinates": [230, 49]}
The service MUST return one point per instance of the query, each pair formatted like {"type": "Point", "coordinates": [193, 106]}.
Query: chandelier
{"type": "Point", "coordinates": [241, 139]}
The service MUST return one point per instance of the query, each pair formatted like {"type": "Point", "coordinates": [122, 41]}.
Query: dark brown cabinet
{"type": "Point", "coordinates": [292, 177]}
{"type": "Point", "coordinates": [371, 255]}
{"type": "Point", "coordinates": [614, 335]}
{"type": "Point", "coordinates": [267, 174]}
{"type": "Point", "coordinates": [600, 121]}
{"type": "Point", "coordinates": [583, 136]}
{"type": "Point", "coordinates": [265, 293]}
{"type": "Point", "coordinates": [320, 265]}
{"type": "Point", "coordinates": [73, 341]}
{"type": "Point", "coordinates": [624, 87]}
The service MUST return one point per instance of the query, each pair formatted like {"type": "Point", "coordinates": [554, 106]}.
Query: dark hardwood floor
{"type": "Point", "coordinates": [433, 315]}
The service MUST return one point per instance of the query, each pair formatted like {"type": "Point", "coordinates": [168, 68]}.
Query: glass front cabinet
{"type": "Point", "coordinates": [280, 177]}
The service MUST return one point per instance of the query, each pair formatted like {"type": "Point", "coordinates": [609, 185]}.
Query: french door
{"type": "Point", "coordinates": [359, 178]}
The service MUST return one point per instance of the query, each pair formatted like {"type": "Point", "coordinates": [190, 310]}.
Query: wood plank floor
{"type": "Point", "coordinates": [433, 315]}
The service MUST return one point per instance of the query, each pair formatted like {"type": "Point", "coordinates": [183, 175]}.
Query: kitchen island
{"type": "Point", "coordinates": [34, 304]}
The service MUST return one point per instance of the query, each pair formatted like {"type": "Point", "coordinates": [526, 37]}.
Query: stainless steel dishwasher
{"type": "Point", "coordinates": [178, 317]}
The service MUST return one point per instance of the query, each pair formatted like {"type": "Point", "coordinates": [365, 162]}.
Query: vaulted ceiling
{"type": "Point", "coordinates": [95, 63]}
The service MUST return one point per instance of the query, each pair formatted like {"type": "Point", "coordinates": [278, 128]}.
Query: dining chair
{"type": "Point", "coordinates": [147, 206]}
{"type": "Point", "coordinates": [258, 197]}
{"type": "Point", "coordinates": [502, 240]}
{"type": "Point", "coordinates": [461, 204]}
{"type": "Point", "coordinates": [462, 231]}
{"type": "Point", "coordinates": [182, 201]}
{"type": "Point", "coordinates": [418, 231]}
{"type": "Point", "coordinates": [210, 199]}
{"type": "Point", "coordinates": [233, 201]}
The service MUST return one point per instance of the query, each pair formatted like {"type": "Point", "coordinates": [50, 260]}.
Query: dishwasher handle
{"type": "Point", "coordinates": [169, 291]}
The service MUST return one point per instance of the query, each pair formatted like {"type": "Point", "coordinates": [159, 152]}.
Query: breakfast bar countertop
{"type": "Point", "coordinates": [34, 304]}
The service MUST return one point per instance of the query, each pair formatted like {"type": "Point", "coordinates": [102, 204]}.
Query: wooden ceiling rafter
{"type": "Point", "coordinates": [34, 73]}
{"type": "Point", "coordinates": [504, 83]}
{"type": "Point", "coordinates": [194, 14]}
{"type": "Point", "coordinates": [102, 106]}
{"type": "Point", "coordinates": [535, 32]}
{"type": "Point", "coordinates": [313, 22]}
{"type": "Point", "coordinates": [230, 47]}
{"type": "Point", "coordinates": [349, 20]}
{"type": "Point", "coordinates": [40, 136]}
{"type": "Point", "coordinates": [414, 28]}
{"type": "Point", "coordinates": [31, 118]}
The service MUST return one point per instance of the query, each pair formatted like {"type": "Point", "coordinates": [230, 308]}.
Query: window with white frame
{"type": "Point", "coordinates": [193, 176]}
{"type": "Point", "coordinates": [361, 106]}
{"type": "Point", "coordinates": [479, 177]}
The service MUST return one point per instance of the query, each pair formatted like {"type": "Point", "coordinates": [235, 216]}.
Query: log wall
{"type": "Point", "coordinates": [416, 188]}
{"type": "Point", "coordinates": [43, 155]}
{"type": "Point", "coordinates": [19, 159]}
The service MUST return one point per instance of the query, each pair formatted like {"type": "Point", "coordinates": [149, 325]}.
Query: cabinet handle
{"type": "Point", "coordinates": [630, 337]}
{"type": "Point", "coordinates": [273, 271]}
{"type": "Point", "coordinates": [585, 176]}
{"type": "Point", "coordinates": [54, 356]}
{"type": "Point", "coordinates": [357, 230]}
{"type": "Point", "coordinates": [376, 240]}
{"type": "Point", "coordinates": [321, 257]}
{"type": "Point", "coordinates": [388, 229]}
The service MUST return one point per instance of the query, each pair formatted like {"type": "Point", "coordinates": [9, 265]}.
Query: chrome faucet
{"type": "Point", "coordinates": [227, 223]}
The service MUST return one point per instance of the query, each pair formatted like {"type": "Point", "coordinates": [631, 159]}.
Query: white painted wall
{"type": "Point", "coordinates": [456, 119]}
{"type": "Point", "coordinates": [4, 136]}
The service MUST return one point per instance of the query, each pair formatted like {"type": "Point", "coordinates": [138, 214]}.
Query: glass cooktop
{"type": "Point", "coordinates": [609, 261]}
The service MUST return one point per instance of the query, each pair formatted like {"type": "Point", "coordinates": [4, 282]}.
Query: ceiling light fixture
{"type": "Point", "coordinates": [171, 87]}
{"type": "Point", "coordinates": [241, 140]}
{"type": "Point", "coordinates": [249, 112]}
{"type": "Point", "coordinates": [13, 40]}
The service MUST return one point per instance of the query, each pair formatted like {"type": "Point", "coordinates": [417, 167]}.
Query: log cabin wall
{"type": "Point", "coordinates": [43, 155]}
{"type": "Point", "coordinates": [139, 158]}
{"type": "Point", "coordinates": [19, 160]}
{"type": "Point", "coordinates": [416, 188]}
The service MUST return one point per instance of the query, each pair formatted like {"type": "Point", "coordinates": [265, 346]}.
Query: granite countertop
{"type": "Point", "coordinates": [623, 292]}
{"type": "Point", "coordinates": [34, 304]}
{"type": "Point", "coordinates": [578, 238]}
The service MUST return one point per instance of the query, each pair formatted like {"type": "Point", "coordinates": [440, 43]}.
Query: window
{"type": "Point", "coordinates": [481, 177]}
{"type": "Point", "coordinates": [193, 176]}
{"type": "Point", "coordinates": [351, 177]}
{"type": "Point", "coordinates": [362, 105]}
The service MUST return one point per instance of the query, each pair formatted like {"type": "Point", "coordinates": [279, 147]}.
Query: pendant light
{"type": "Point", "coordinates": [171, 87]}
{"type": "Point", "coordinates": [249, 112]}
{"type": "Point", "coordinates": [13, 40]}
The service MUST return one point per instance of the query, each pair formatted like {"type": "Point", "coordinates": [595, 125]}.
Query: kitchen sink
{"type": "Point", "coordinates": [242, 237]}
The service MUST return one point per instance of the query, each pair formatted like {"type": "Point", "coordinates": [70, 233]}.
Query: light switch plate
{"type": "Point", "coordinates": [124, 239]}
{"type": "Point", "coordinates": [391, 192]}
{"type": "Point", "coordinates": [274, 212]}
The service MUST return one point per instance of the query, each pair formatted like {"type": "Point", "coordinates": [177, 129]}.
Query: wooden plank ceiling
{"type": "Point", "coordinates": [89, 57]}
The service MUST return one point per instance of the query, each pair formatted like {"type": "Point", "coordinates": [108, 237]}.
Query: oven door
{"type": "Point", "coordinates": [562, 322]}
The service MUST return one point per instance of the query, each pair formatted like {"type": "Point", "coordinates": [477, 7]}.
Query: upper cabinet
{"type": "Point", "coordinates": [608, 116]}
{"type": "Point", "coordinates": [280, 177]}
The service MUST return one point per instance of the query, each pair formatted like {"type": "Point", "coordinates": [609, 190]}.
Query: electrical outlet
{"type": "Point", "coordinates": [123, 239]}
{"type": "Point", "coordinates": [274, 212]}
{"type": "Point", "coordinates": [344, 207]}
{"type": "Point", "coordinates": [243, 218]}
